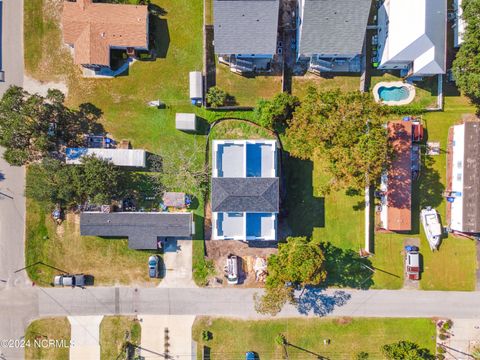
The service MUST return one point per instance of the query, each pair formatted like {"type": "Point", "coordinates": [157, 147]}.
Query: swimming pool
{"type": "Point", "coordinates": [394, 93]}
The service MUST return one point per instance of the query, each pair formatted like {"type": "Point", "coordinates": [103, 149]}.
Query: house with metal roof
{"type": "Point", "coordinates": [463, 178]}
{"type": "Point", "coordinates": [119, 157]}
{"type": "Point", "coordinates": [144, 229]}
{"type": "Point", "coordinates": [245, 190]}
{"type": "Point", "coordinates": [92, 29]}
{"type": "Point", "coordinates": [412, 36]}
{"type": "Point", "coordinates": [331, 33]}
{"type": "Point", "coordinates": [396, 182]}
{"type": "Point", "coordinates": [245, 33]}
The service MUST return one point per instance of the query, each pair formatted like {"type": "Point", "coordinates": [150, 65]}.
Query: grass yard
{"type": "Point", "coordinates": [109, 261]}
{"type": "Point", "coordinates": [348, 337]}
{"type": "Point", "coordinates": [300, 84]}
{"type": "Point", "coordinates": [113, 331]}
{"type": "Point", "coordinates": [247, 90]}
{"type": "Point", "coordinates": [48, 329]}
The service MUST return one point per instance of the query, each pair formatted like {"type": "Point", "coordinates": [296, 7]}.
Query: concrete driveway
{"type": "Point", "coordinates": [12, 224]}
{"type": "Point", "coordinates": [85, 337]}
{"type": "Point", "coordinates": [167, 336]}
{"type": "Point", "coordinates": [177, 260]}
{"type": "Point", "coordinates": [11, 51]}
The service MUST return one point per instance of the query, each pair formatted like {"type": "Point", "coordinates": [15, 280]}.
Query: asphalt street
{"type": "Point", "coordinates": [12, 43]}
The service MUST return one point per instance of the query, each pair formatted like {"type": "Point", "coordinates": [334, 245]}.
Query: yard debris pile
{"type": "Point", "coordinates": [260, 268]}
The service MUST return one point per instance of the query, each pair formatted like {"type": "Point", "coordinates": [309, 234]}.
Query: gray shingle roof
{"type": "Point", "coordinates": [142, 229]}
{"type": "Point", "coordinates": [245, 26]}
{"type": "Point", "coordinates": [471, 178]}
{"type": "Point", "coordinates": [245, 194]}
{"type": "Point", "coordinates": [334, 26]}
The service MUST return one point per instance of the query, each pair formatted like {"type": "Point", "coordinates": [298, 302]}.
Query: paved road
{"type": "Point", "coordinates": [12, 43]}
{"type": "Point", "coordinates": [239, 302]}
{"type": "Point", "coordinates": [16, 311]}
{"type": "Point", "coordinates": [12, 223]}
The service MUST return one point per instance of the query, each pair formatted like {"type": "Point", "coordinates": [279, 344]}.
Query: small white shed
{"type": "Point", "coordinates": [186, 122]}
{"type": "Point", "coordinates": [196, 86]}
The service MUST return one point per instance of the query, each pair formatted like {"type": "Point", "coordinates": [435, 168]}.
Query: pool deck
{"type": "Point", "coordinates": [389, 84]}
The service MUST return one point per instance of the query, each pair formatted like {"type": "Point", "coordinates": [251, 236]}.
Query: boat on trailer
{"type": "Point", "coordinates": [431, 224]}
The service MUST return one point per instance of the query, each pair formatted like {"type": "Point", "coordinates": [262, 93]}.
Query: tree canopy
{"type": "Point", "coordinates": [33, 125]}
{"type": "Point", "coordinates": [97, 181]}
{"type": "Point", "coordinates": [346, 130]}
{"type": "Point", "coordinates": [273, 114]}
{"type": "Point", "coordinates": [406, 350]}
{"type": "Point", "coordinates": [466, 66]}
{"type": "Point", "coordinates": [299, 262]}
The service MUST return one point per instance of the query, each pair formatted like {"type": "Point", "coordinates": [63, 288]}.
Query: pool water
{"type": "Point", "coordinates": [393, 93]}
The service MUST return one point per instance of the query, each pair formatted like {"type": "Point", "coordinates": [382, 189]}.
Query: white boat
{"type": "Point", "coordinates": [431, 225]}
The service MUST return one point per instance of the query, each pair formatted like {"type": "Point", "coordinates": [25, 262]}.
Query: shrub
{"type": "Point", "coordinates": [206, 335]}
{"type": "Point", "coordinates": [202, 270]}
{"type": "Point", "coordinates": [441, 350]}
{"type": "Point", "coordinates": [443, 337]}
{"type": "Point", "coordinates": [440, 357]}
{"type": "Point", "coordinates": [216, 97]}
{"type": "Point", "coordinates": [362, 355]}
{"type": "Point", "coordinates": [447, 325]}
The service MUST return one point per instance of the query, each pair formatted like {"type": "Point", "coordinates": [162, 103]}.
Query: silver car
{"type": "Point", "coordinates": [69, 280]}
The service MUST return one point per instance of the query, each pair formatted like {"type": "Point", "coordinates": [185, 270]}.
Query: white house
{"type": "Point", "coordinates": [412, 36]}
{"type": "Point", "coordinates": [245, 190]}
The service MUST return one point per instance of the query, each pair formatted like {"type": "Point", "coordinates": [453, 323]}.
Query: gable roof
{"type": "Point", "coordinates": [333, 26]}
{"type": "Point", "coordinates": [245, 194]}
{"type": "Point", "coordinates": [417, 33]}
{"type": "Point", "coordinates": [245, 26]}
{"type": "Point", "coordinates": [92, 28]}
{"type": "Point", "coordinates": [471, 178]}
{"type": "Point", "coordinates": [141, 228]}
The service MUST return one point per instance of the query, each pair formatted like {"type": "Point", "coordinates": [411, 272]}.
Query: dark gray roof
{"type": "Point", "coordinates": [471, 178]}
{"type": "Point", "coordinates": [334, 26]}
{"type": "Point", "coordinates": [142, 229]}
{"type": "Point", "coordinates": [245, 26]}
{"type": "Point", "coordinates": [245, 194]}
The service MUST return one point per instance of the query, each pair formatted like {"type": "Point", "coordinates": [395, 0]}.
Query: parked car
{"type": "Point", "coordinates": [412, 262]}
{"type": "Point", "coordinates": [69, 280]}
{"type": "Point", "coordinates": [251, 355]}
{"type": "Point", "coordinates": [153, 266]}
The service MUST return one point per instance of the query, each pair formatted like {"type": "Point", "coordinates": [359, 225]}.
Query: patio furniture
{"type": "Point", "coordinates": [174, 199]}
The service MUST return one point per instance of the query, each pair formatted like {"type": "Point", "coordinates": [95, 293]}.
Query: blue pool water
{"type": "Point", "coordinates": [393, 93]}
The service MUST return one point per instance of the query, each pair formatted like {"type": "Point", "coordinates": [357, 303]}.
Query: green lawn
{"type": "Point", "coordinates": [109, 261]}
{"type": "Point", "coordinates": [247, 90]}
{"type": "Point", "coordinates": [43, 330]}
{"type": "Point", "coordinates": [348, 336]}
{"type": "Point", "coordinates": [113, 338]}
{"type": "Point", "coordinates": [425, 91]}
{"type": "Point", "coordinates": [344, 82]}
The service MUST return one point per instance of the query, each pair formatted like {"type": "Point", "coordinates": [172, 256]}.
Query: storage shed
{"type": "Point", "coordinates": [196, 87]}
{"type": "Point", "coordinates": [186, 122]}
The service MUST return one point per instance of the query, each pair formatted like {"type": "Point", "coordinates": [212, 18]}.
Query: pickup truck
{"type": "Point", "coordinates": [412, 263]}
